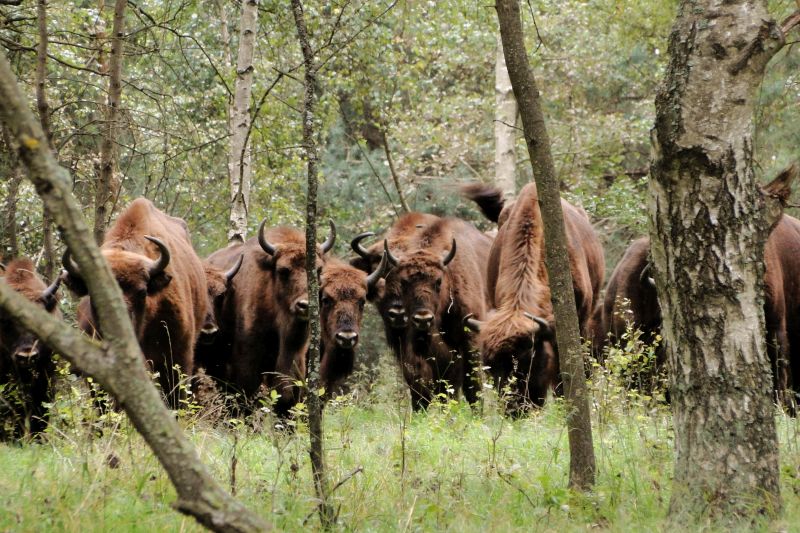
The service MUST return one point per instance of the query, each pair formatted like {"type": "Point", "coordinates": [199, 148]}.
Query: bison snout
{"type": "Point", "coordinates": [397, 316]}
{"type": "Point", "coordinates": [423, 320]}
{"type": "Point", "coordinates": [208, 332]}
{"type": "Point", "coordinates": [27, 354]}
{"type": "Point", "coordinates": [347, 338]}
{"type": "Point", "coordinates": [301, 309]}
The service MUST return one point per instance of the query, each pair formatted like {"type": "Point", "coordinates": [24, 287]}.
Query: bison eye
{"type": "Point", "coordinates": [327, 301]}
{"type": "Point", "coordinates": [361, 303]}
{"type": "Point", "coordinates": [284, 272]}
{"type": "Point", "coordinates": [437, 284]}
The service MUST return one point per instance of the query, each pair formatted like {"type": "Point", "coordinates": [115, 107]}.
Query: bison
{"type": "Point", "coordinates": [439, 279]}
{"type": "Point", "coordinates": [631, 284]}
{"type": "Point", "coordinates": [164, 287]}
{"type": "Point", "coordinates": [26, 365]}
{"type": "Point", "coordinates": [518, 339]}
{"type": "Point", "coordinates": [267, 313]}
{"type": "Point", "coordinates": [343, 291]}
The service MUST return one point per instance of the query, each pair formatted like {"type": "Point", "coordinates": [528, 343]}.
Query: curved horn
{"type": "Point", "coordinates": [539, 320]}
{"type": "Point", "coordinates": [355, 244]}
{"type": "Point", "coordinates": [472, 323]}
{"type": "Point", "coordinates": [644, 277]}
{"type": "Point", "coordinates": [392, 259]}
{"type": "Point", "coordinates": [50, 291]}
{"type": "Point", "coordinates": [378, 273]}
{"type": "Point", "coordinates": [265, 244]}
{"type": "Point", "coordinates": [163, 260]}
{"type": "Point", "coordinates": [234, 269]}
{"type": "Point", "coordinates": [2, 267]}
{"type": "Point", "coordinates": [69, 265]}
{"type": "Point", "coordinates": [451, 254]}
{"type": "Point", "coordinates": [329, 242]}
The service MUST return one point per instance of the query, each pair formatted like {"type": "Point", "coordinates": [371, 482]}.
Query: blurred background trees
{"type": "Point", "coordinates": [414, 80]}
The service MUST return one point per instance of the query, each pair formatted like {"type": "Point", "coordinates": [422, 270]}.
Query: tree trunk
{"type": "Point", "coordinates": [709, 225]}
{"type": "Point", "coordinates": [579, 427]}
{"type": "Point", "coordinates": [314, 401]}
{"type": "Point", "coordinates": [505, 132]}
{"type": "Point", "coordinates": [44, 118]}
{"type": "Point", "coordinates": [239, 163]}
{"type": "Point", "coordinates": [117, 362]}
{"type": "Point", "coordinates": [107, 185]}
{"type": "Point", "coordinates": [9, 239]}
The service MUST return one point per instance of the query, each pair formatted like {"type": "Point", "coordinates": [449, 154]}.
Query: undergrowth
{"type": "Point", "coordinates": [450, 469]}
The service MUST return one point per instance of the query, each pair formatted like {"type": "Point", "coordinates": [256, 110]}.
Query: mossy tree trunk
{"type": "Point", "coordinates": [570, 351]}
{"type": "Point", "coordinates": [710, 221]}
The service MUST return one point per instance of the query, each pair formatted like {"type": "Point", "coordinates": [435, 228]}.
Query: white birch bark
{"type": "Point", "coordinates": [505, 132]}
{"type": "Point", "coordinates": [239, 157]}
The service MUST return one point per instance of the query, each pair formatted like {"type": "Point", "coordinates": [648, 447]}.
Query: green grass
{"type": "Point", "coordinates": [448, 470]}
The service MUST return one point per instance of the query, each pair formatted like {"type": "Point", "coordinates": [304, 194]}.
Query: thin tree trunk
{"type": "Point", "coordinates": [505, 131]}
{"type": "Point", "coordinates": [44, 118]}
{"type": "Point", "coordinates": [579, 427]}
{"type": "Point", "coordinates": [116, 363]}
{"type": "Point", "coordinates": [239, 160]}
{"type": "Point", "coordinates": [709, 225]}
{"type": "Point", "coordinates": [107, 185]}
{"type": "Point", "coordinates": [314, 400]}
{"type": "Point", "coordinates": [9, 240]}
{"type": "Point", "coordinates": [393, 171]}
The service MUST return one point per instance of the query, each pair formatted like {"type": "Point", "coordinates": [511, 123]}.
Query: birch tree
{"type": "Point", "coordinates": [239, 157]}
{"type": "Point", "coordinates": [505, 132]}
{"type": "Point", "coordinates": [709, 223]}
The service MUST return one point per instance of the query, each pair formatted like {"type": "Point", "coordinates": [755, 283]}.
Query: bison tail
{"type": "Point", "coordinates": [488, 198]}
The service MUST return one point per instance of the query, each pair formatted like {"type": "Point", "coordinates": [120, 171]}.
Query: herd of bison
{"type": "Point", "coordinates": [453, 299]}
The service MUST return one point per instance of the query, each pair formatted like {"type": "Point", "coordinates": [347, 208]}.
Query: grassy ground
{"type": "Point", "coordinates": [447, 470]}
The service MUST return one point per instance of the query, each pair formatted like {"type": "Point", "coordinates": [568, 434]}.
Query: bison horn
{"type": "Point", "coordinates": [262, 240]}
{"type": "Point", "coordinates": [355, 244]}
{"type": "Point", "coordinates": [539, 320]}
{"type": "Point", "coordinates": [473, 323]}
{"type": "Point", "coordinates": [329, 242]}
{"type": "Point", "coordinates": [50, 291]}
{"type": "Point", "coordinates": [234, 269]}
{"type": "Point", "coordinates": [392, 259]}
{"type": "Point", "coordinates": [69, 265]}
{"type": "Point", "coordinates": [163, 260]}
{"type": "Point", "coordinates": [645, 277]}
{"type": "Point", "coordinates": [450, 255]}
{"type": "Point", "coordinates": [378, 273]}
{"type": "Point", "coordinates": [2, 267]}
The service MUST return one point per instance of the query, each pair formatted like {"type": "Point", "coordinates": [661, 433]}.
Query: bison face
{"type": "Point", "coordinates": [423, 285]}
{"type": "Point", "coordinates": [287, 261]}
{"type": "Point", "coordinates": [139, 277]}
{"type": "Point", "coordinates": [218, 283]}
{"type": "Point", "coordinates": [509, 340]}
{"type": "Point", "coordinates": [24, 349]}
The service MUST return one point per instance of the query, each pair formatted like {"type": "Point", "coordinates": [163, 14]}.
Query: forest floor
{"type": "Point", "coordinates": [450, 469]}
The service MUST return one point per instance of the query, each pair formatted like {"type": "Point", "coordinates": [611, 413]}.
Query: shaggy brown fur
{"type": "Point", "coordinates": [516, 348]}
{"type": "Point", "coordinates": [263, 324]}
{"type": "Point", "coordinates": [437, 355]}
{"type": "Point", "coordinates": [167, 311]}
{"type": "Point", "coordinates": [343, 293]}
{"type": "Point", "coordinates": [25, 363]}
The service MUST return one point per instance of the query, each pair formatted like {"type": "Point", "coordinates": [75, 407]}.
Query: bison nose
{"type": "Point", "coordinates": [27, 353]}
{"type": "Point", "coordinates": [422, 320]}
{"type": "Point", "coordinates": [301, 308]}
{"type": "Point", "coordinates": [208, 331]}
{"type": "Point", "coordinates": [347, 338]}
{"type": "Point", "coordinates": [397, 316]}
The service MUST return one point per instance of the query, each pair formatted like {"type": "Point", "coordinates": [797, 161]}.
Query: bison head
{"type": "Point", "coordinates": [509, 338]}
{"type": "Point", "coordinates": [287, 262]}
{"type": "Point", "coordinates": [21, 345]}
{"type": "Point", "coordinates": [138, 276]}
{"type": "Point", "coordinates": [343, 292]}
{"type": "Point", "coordinates": [423, 281]}
{"type": "Point", "coordinates": [218, 283]}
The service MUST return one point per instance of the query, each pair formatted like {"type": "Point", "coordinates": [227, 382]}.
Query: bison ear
{"type": "Point", "coordinates": [158, 282]}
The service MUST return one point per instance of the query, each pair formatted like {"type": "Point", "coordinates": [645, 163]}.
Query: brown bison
{"type": "Point", "coordinates": [631, 299]}
{"type": "Point", "coordinates": [26, 365]}
{"type": "Point", "coordinates": [439, 279]}
{"type": "Point", "coordinates": [266, 315]}
{"type": "Point", "coordinates": [163, 285]}
{"type": "Point", "coordinates": [343, 292]}
{"type": "Point", "coordinates": [518, 339]}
